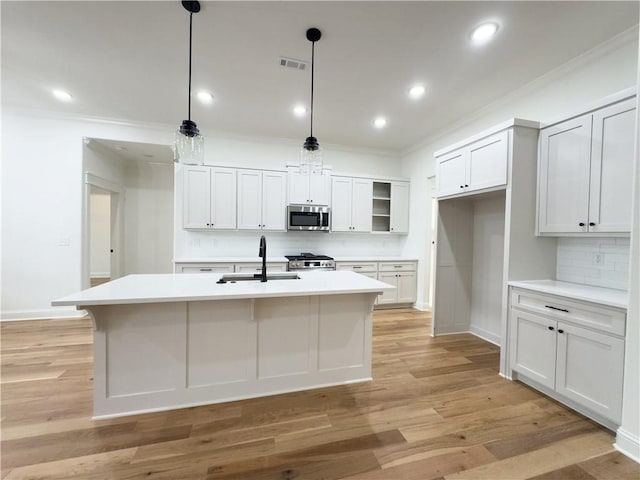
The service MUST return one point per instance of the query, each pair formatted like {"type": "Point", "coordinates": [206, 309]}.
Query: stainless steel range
{"type": "Point", "coordinates": [309, 261]}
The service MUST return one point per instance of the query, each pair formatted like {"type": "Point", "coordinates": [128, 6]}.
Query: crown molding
{"type": "Point", "coordinates": [628, 36]}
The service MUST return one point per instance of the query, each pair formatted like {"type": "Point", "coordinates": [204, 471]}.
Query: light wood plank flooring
{"type": "Point", "coordinates": [435, 409]}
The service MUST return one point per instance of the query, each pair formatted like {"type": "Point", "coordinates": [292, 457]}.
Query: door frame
{"type": "Point", "coordinates": [117, 204]}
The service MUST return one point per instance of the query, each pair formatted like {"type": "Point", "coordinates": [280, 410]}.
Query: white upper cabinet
{"type": "Point", "coordinates": [309, 188]}
{"type": "Point", "coordinates": [209, 198]}
{"type": "Point", "coordinates": [479, 165]}
{"type": "Point", "coordinates": [261, 200]}
{"type": "Point", "coordinates": [352, 204]}
{"type": "Point", "coordinates": [585, 174]}
{"type": "Point", "coordinates": [399, 207]}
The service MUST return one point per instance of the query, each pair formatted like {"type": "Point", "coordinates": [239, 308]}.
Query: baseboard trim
{"type": "Point", "coordinates": [19, 315]}
{"type": "Point", "coordinates": [485, 335]}
{"type": "Point", "coordinates": [628, 444]}
{"type": "Point", "coordinates": [423, 307]}
{"type": "Point", "coordinates": [100, 275]}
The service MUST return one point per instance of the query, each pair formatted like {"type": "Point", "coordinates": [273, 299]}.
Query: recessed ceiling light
{"type": "Point", "coordinates": [483, 33]}
{"type": "Point", "coordinates": [205, 97]}
{"type": "Point", "coordinates": [62, 95]}
{"type": "Point", "coordinates": [380, 122]}
{"type": "Point", "coordinates": [299, 110]}
{"type": "Point", "coordinates": [417, 91]}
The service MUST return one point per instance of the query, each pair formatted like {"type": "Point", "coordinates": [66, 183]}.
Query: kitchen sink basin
{"type": "Point", "coordinates": [255, 277]}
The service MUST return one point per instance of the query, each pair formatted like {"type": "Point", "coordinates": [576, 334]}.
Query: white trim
{"type": "Point", "coordinates": [100, 274]}
{"type": "Point", "coordinates": [627, 444]}
{"type": "Point", "coordinates": [103, 183]}
{"type": "Point", "coordinates": [628, 36]}
{"type": "Point", "coordinates": [485, 335]}
{"type": "Point", "coordinates": [17, 315]}
{"type": "Point", "coordinates": [422, 306]}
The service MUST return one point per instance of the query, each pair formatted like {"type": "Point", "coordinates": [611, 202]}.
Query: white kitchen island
{"type": "Point", "coordinates": [173, 341]}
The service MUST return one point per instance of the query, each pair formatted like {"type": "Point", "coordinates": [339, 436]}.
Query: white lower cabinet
{"type": "Point", "coordinates": [583, 366]}
{"type": "Point", "coordinates": [224, 267]}
{"type": "Point", "coordinates": [401, 275]}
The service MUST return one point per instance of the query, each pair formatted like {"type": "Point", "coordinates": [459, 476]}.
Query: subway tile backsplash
{"type": "Point", "coordinates": [603, 262]}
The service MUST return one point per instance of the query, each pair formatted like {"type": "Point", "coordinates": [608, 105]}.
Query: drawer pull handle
{"type": "Point", "coordinates": [397, 266]}
{"type": "Point", "coordinates": [556, 308]}
{"type": "Point", "coordinates": [550, 327]}
{"type": "Point", "coordinates": [355, 267]}
{"type": "Point", "coordinates": [205, 269]}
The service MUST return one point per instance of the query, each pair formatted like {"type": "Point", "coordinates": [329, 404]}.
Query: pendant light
{"type": "Point", "coordinates": [188, 147]}
{"type": "Point", "coordinates": [311, 154]}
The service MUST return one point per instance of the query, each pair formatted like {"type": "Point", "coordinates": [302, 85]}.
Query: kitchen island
{"type": "Point", "coordinates": [173, 341]}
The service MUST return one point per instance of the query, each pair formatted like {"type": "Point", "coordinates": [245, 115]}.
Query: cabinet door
{"type": "Point", "coordinates": [451, 174]}
{"type": "Point", "coordinates": [274, 203]}
{"type": "Point", "coordinates": [362, 205]}
{"type": "Point", "coordinates": [533, 347]}
{"type": "Point", "coordinates": [249, 200]}
{"type": "Point", "coordinates": [298, 188]}
{"type": "Point", "coordinates": [197, 195]}
{"type": "Point", "coordinates": [612, 155]}
{"type": "Point", "coordinates": [341, 201]}
{"type": "Point", "coordinates": [590, 368]}
{"type": "Point", "coordinates": [399, 207]}
{"type": "Point", "coordinates": [406, 287]}
{"type": "Point", "coordinates": [487, 162]}
{"type": "Point", "coordinates": [564, 176]}
{"type": "Point", "coordinates": [223, 198]}
{"type": "Point", "coordinates": [390, 296]}
{"type": "Point", "coordinates": [319, 188]}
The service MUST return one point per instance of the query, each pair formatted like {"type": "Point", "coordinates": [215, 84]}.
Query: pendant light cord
{"type": "Point", "coordinates": [190, 41]}
{"type": "Point", "coordinates": [313, 44]}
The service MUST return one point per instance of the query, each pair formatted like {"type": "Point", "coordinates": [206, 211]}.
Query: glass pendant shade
{"type": "Point", "coordinates": [311, 156]}
{"type": "Point", "coordinates": [188, 150]}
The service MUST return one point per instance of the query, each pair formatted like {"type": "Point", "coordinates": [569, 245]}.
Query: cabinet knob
{"type": "Point", "coordinates": [550, 327]}
{"type": "Point", "coordinates": [591, 224]}
{"type": "Point", "coordinates": [461, 186]}
{"type": "Point", "coordinates": [466, 185]}
{"type": "Point", "coordinates": [560, 331]}
{"type": "Point", "coordinates": [581, 224]}
{"type": "Point", "coordinates": [392, 229]}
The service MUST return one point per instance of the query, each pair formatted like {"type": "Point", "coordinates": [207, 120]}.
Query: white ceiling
{"type": "Point", "coordinates": [128, 60]}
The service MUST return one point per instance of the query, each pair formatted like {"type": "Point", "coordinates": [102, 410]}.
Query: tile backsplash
{"type": "Point", "coordinates": [603, 262]}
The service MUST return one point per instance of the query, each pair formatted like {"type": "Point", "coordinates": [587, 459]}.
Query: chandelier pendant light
{"type": "Point", "coordinates": [188, 147]}
{"type": "Point", "coordinates": [311, 154]}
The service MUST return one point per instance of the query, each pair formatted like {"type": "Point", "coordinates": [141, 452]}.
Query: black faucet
{"type": "Point", "coordinates": [263, 253]}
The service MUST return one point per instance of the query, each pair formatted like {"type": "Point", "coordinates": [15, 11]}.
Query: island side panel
{"type": "Point", "coordinates": [139, 352]}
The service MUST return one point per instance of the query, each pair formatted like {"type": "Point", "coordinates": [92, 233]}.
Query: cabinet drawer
{"type": "Point", "coordinates": [371, 267]}
{"type": "Point", "coordinates": [206, 268]}
{"type": "Point", "coordinates": [599, 317]}
{"type": "Point", "coordinates": [396, 266]}
{"type": "Point", "coordinates": [257, 267]}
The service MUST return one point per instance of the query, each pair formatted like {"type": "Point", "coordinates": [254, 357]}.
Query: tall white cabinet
{"type": "Point", "coordinates": [586, 172]}
{"type": "Point", "coordinates": [309, 188]}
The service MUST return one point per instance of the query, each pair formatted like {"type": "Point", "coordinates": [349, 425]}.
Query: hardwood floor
{"type": "Point", "coordinates": [435, 409]}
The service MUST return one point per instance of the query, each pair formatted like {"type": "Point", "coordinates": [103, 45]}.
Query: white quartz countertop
{"type": "Point", "coordinates": [373, 258]}
{"type": "Point", "coordinates": [195, 287]}
{"type": "Point", "coordinates": [255, 259]}
{"type": "Point", "coordinates": [587, 293]}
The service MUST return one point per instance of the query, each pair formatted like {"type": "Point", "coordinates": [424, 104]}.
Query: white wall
{"type": "Point", "coordinates": [596, 74]}
{"type": "Point", "coordinates": [148, 218]}
{"type": "Point", "coordinates": [100, 234]}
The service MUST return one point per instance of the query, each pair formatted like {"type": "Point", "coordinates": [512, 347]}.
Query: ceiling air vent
{"type": "Point", "coordinates": [293, 63]}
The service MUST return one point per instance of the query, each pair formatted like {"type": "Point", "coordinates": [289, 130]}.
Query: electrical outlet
{"type": "Point", "coordinates": [598, 258]}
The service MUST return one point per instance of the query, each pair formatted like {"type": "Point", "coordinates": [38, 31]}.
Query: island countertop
{"type": "Point", "coordinates": [156, 288]}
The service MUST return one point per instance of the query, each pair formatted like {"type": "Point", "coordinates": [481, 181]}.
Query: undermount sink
{"type": "Point", "coordinates": [253, 277]}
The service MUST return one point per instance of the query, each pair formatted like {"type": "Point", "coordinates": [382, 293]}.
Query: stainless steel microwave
{"type": "Point", "coordinates": [308, 217]}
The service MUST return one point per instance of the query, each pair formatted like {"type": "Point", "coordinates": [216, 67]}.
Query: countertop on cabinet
{"type": "Point", "coordinates": [374, 258]}
{"type": "Point", "coordinates": [155, 288]}
{"type": "Point", "coordinates": [587, 293]}
{"type": "Point", "coordinates": [255, 259]}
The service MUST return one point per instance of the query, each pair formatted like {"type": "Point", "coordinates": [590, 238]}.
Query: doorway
{"type": "Point", "coordinates": [99, 236]}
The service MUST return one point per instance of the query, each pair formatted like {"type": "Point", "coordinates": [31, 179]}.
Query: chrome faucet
{"type": "Point", "coordinates": [262, 252]}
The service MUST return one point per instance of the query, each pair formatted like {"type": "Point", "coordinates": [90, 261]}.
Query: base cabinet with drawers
{"type": "Point", "coordinates": [401, 275]}
{"type": "Point", "coordinates": [573, 349]}
{"type": "Point", "coordinates": [228, 267]}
